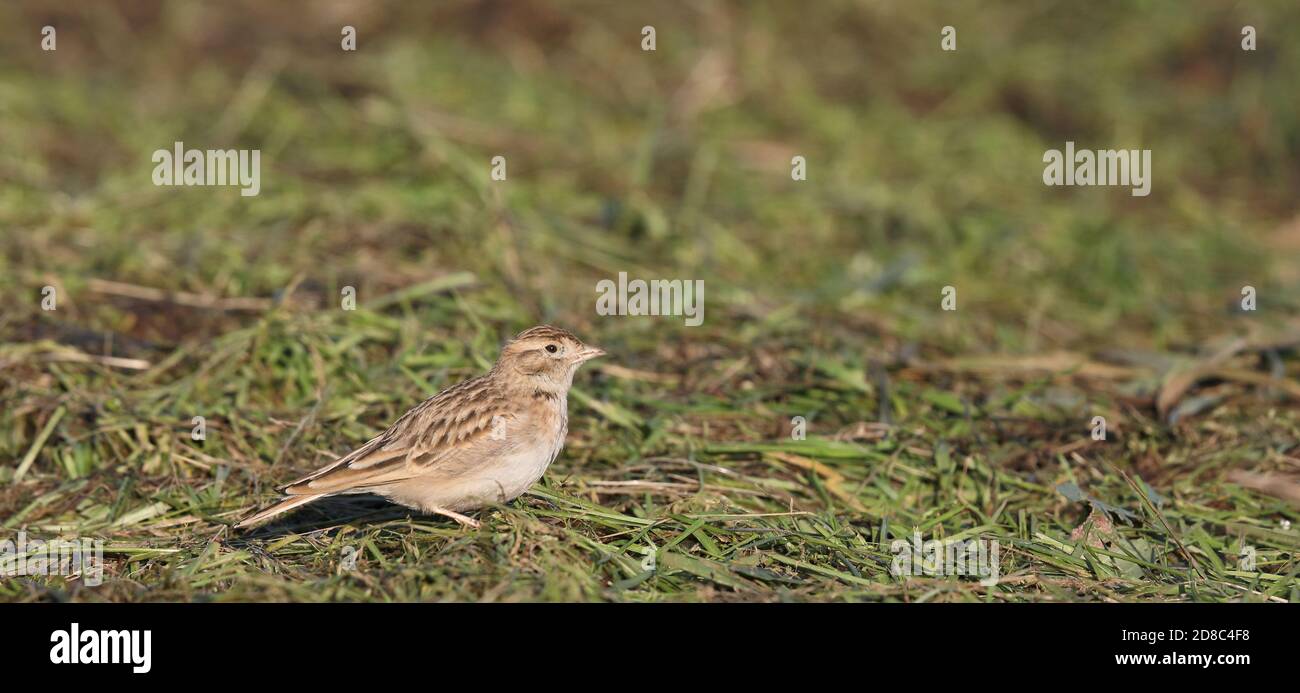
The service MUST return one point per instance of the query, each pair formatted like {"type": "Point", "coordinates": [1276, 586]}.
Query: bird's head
{"type": "Point", "coordinates": [545, 358]}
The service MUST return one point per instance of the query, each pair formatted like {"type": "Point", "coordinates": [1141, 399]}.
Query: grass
{"type": "Point", "coordinates": [681, 479]}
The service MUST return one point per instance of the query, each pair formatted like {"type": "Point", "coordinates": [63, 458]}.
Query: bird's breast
{"type": "Point", "coordinates": [528, 460]}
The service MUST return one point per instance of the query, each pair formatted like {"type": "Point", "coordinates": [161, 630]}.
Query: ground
{"type": "Point", "coordinates": [684, 477]}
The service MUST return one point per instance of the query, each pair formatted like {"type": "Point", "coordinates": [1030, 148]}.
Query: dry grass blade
{"type": "Point", "coordinates": [1055, 363]}
{"type": "Point", "coordinates": [1284, 486]}
{"type": "Point", "coordinates": [180, 298]}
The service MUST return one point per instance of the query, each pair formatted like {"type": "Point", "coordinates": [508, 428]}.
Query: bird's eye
{"type": "Point", "coordinates": [551, 348]}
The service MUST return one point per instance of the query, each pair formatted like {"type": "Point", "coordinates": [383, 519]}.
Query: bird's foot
{"type": "Point", "coordinates": [464, 520]}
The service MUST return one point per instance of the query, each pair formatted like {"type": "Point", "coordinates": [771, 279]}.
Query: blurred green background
{"type": "Point", "coordinates": [924, 166]}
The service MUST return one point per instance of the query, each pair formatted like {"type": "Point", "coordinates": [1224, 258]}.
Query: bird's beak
{"type": "Point", "coordinates": [589, 353]}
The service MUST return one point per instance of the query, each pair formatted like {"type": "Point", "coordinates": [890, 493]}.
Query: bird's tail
{"type": "Point", "coordinates": [282, 507]}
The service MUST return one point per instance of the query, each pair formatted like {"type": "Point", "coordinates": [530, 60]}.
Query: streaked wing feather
{"type": "Point", "coordinates": [451, 421]}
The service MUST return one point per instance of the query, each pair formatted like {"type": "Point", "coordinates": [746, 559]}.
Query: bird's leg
{"type": "Point", "coordinates": [467, 521]}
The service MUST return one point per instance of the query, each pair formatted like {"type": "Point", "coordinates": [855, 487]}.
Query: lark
{"type": "Point", "coordinates": [483, 441]}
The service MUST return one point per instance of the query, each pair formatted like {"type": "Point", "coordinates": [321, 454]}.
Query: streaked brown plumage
{"type": "Point", "coordinates": [485, 440]}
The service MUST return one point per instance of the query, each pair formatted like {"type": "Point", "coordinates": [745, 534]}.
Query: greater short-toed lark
{"type": "Point", "coordinates": [486, 440]}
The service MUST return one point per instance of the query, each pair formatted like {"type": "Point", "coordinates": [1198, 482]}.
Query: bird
{"type": "Point", "coordinates": [485, 440]}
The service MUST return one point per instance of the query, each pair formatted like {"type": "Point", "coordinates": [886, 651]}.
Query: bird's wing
{"type": "Point", "coordinates": [457, 420]}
